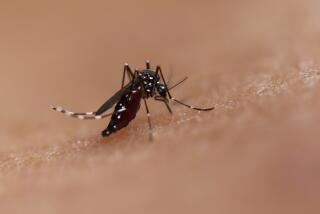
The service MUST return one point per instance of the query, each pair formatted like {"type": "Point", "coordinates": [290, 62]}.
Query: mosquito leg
{"type": "Point", "coordinates": [181, 103]}
{"type": "Point", "coordinates": [165, 101]}
{"type": "Point", "coordinates": [126, 70]}
{"type": "Point", "coordinates": [148, 64]}
{"type": "Point", "coordinates": [148, 115]}
{"type": "Point", "coordinates": [81, 116]}
{"type": "Point", "coordinates": [192, 107]}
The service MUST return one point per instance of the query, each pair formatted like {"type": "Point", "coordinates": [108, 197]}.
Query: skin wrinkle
{"type": "Point", "coordinates": [256, 62]}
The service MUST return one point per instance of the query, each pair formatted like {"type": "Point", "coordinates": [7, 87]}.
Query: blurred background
{"type": "Point", "coordinates": [257, 62]}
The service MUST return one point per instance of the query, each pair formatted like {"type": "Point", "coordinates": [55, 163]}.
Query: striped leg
{"type": "Point", "coordinates": [148, 115]}
{"type": "Point", "coordinates": [149, 120]}
{"type": "Point", "coordinates": [81, 116]}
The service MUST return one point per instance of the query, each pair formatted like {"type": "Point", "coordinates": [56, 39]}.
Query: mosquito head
{"type": "Point", "coordinates": [162, 90]}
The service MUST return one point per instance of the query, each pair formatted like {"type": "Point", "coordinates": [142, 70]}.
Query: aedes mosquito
{"type": "Point", "coordinates": [143, 84]}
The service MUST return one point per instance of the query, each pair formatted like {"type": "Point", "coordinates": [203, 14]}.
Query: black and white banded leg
{"type": "Point", "coordinates": [81, 116]}
{"type": "Point", "coordinates": [148, 115]}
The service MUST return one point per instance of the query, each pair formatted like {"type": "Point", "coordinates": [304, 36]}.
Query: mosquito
{"type": "Point", "coordinates": [143, 84]}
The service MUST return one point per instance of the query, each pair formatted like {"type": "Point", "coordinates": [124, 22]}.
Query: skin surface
{"type": "Point", "coordinates": [257, 62]}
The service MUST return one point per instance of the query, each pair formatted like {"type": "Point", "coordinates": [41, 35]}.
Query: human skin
{"type": "Point", "coordinates": [256, 62]}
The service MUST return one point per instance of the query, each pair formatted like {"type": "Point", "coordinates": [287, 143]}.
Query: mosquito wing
{"type": "Point", "coordinates": [115, 98]}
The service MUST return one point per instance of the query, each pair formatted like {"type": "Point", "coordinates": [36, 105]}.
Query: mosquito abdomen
{"type": "Point", "coordinates": [125, 111]}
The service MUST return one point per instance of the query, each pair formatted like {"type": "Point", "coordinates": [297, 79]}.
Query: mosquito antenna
{"type": "Point", "coordinates": [186, 105]}
{"type": "Point", "coordinates": [172, 87]}
{"type": "Point", "coordinates": [81, 116]}
{"type": "Point", "coordinates": [169, 76]}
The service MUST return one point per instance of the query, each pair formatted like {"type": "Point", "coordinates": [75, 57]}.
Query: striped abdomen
{"type": "Point", "coordinates": [125, 111]}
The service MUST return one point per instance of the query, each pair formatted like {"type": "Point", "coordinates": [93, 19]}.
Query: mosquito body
{"type": "Point", "coordinates": [143, 84]}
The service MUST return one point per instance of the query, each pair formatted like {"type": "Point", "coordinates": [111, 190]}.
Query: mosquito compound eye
{"type": "Point", "coordinates": [162, 90]}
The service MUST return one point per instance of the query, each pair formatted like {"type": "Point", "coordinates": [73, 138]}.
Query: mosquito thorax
{"type": "Point", "coordinates": [149, 81]}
